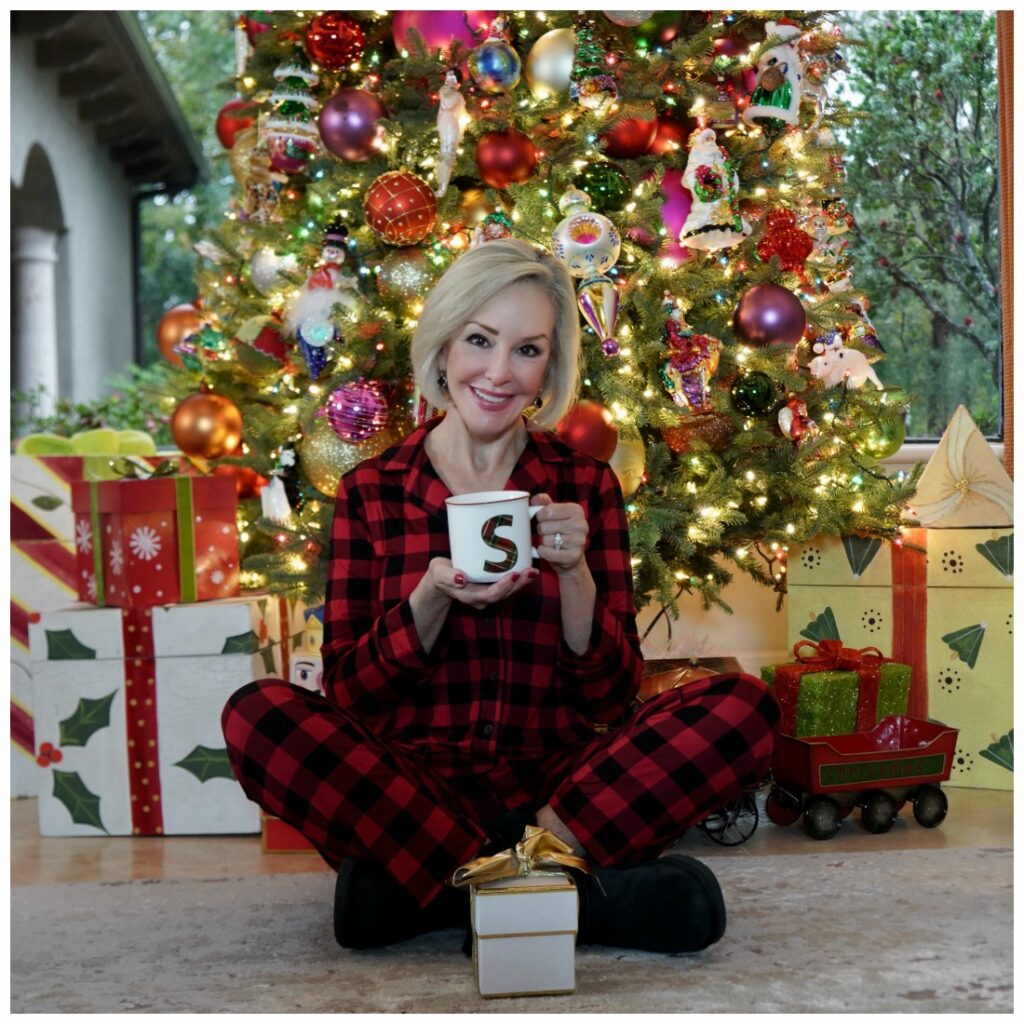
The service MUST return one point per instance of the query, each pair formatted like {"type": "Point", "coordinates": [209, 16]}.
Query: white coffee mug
{"type": "Point", "coordinates": [489, 533]}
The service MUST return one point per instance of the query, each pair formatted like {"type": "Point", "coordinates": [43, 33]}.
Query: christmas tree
{"type": "Point", "coordinates": [684, 165]}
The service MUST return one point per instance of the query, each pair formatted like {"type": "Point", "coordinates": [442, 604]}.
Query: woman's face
{"type": "Point", "coordinates": [497, 360]}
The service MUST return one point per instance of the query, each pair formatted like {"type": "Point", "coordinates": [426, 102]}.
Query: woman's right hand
{"type": "Point", "coordinates": [452, 583]}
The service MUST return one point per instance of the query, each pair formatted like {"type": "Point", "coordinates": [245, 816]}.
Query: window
{"type": "Point", "coordinates": [923, 175]}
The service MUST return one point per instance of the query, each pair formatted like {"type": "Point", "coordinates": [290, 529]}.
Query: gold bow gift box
{"type": "Point", "coordinates": [127, 714]}
{"type": "Point", "coordinates": [940, 601]}
{"type": "Point", "coordinates": [524, 910]}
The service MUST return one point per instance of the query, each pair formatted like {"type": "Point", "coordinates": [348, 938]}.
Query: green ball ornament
{"type": "Point", "coordinates": [753, 394]}
{"type": "Point", "coordinates": [607, 185]}
{"type": "Point", "coordinates": [879, 439]}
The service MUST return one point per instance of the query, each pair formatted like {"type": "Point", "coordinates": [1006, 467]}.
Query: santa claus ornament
{"type": "Point", "coordinates": [714, 220]}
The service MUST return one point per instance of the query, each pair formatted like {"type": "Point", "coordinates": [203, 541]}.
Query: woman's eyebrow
{"type": "Point", "coordinates": [494, 330]}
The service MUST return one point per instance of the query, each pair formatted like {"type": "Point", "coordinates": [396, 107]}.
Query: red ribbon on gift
{"type": "Point", "coordinates": [829, 656]}
{"type": "Point", "coordinates": [140, 721]}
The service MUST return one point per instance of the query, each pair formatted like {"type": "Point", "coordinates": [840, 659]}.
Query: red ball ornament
{"type": "Point", "coordinates": [248, 483]}
{"type": "Point", "coordinates": [630, 138]}
{"type": "Point", "coordinates": [505, 157]}
{"type": "Point", "coordinates": [334, 40]}
{"type": "Point", "coordinates": [589, 428]}
{"type": "Point", "coordinates": [670, 135]}
{"type": "Point", "coordinates": [234, 117]}
{"type": "Point", "coordinates": [767, 314]}
{"type": "Point", "coordinates": [401, 208]}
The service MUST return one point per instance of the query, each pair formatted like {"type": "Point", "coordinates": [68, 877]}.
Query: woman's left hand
{"type": "Point", "coordinates": [563, 533]}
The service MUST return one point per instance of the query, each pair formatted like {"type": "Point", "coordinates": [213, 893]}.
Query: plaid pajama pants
{"type": "Point", "coordinates": [627, 794]}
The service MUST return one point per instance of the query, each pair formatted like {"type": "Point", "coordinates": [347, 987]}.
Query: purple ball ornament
{"type": "Point", "coordinates": [769, 314]}
{"type": "Point", "coordinates": [358, 410]}
{"type": "Point", "coordinates": [349, 124]}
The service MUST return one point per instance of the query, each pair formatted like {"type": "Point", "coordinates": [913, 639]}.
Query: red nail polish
{"type": "Point", "coordinates": [533, 574]}
{"type": "Point", "coordinates": [515, 577]}
{"type": "Point", "coordinates": [460, 580]}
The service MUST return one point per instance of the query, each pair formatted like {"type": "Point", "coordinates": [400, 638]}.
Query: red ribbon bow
{"type": "Point", "coordinates": [832, 654]}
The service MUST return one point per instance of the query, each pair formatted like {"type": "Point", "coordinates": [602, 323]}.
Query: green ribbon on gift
{"type": "Point", "coordinates": [184, 514]}
{"type": "Point", "coordinates": [186, 539]}
{"type": "Point", "coordinates": [97, 545]}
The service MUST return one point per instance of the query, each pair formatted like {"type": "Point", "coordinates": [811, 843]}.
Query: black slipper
{"type": "Point", "coordinates": [371, 909]}
{"type": "Point", "coordinates": [670, 905]}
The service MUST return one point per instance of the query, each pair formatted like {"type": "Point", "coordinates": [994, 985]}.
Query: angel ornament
{"type": "Point", "coordinates": [451, 124]}
{"type": "Point", "coordinates": [714, 221]}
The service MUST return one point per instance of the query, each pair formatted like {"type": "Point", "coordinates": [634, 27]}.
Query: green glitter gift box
{"type": "Point", "coordinates": [837, 690]}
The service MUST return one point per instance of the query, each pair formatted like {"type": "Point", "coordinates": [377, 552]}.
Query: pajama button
{"type": "Point", "coordinates": [493, 677]}
{"type": "Point", "coordinates": [488, 622]}
{"type": "Point", "coordinates": [487, 729]}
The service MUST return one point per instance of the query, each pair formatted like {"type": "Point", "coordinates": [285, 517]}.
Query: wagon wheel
{"type": "Point", "coordinates": [879, 812]}
{"type": "Point", "coordinates": [781, 807]}
{"type": "Point", "coordinates": [930, 806]}
{"type": "Point", "coordinates": [821, 819]}
{"type": "Point", "coordinates": [734, 824]}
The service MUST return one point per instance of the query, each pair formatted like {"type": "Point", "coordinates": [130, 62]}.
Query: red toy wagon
{"type": "Point", "coordinates": [825, 777]}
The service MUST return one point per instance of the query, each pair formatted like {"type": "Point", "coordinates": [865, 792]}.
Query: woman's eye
{"type": "Point", "coordinates": [530, 350]}
{"type": "Point", "coordinates": [477, 339]}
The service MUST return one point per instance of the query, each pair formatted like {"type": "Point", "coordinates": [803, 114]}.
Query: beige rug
{"type": "Point", "coordinates": [902, 932]}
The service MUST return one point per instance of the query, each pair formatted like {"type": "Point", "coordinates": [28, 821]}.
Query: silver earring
{"type": "Point", "coordinates": [442, 381]}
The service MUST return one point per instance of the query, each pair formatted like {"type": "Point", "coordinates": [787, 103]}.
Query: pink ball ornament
{"type": "Point", "coordinates": [358, 410]}
{"type": "Point", "coordinates": [440, 29]}
{"type": "Point", "coordinates": [674, 212]}
{"type": "Point", "coordinates": [349, 124]}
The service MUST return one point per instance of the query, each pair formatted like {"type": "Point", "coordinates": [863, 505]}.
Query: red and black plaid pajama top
{"type": "Point", "coordinates": [412, 753]}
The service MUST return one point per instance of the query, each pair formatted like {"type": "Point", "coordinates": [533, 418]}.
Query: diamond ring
{"type": "Point", "coordinates": [558, 542]}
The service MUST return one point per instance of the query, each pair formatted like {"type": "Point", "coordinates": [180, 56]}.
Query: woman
{"type": "Point", "coordinates": [456, 713]}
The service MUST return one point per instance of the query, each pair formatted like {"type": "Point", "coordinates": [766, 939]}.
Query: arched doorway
{"type": "Point", "coordinates": [39, 282]}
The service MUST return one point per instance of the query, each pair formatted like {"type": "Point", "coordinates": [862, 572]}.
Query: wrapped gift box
{"type": "Point", "coordinates": [127, 715]}
{"type": "Point", "coordinates": [833, 690]}
{"type": "Point", "coordinates": [280, 837]}
{"type": "Point", "coordinates": [941, 601]}
{"type": "Point", "coordinates": [42, 531]}
{"type": "Point", "coordinates": [158, 541]}
{"type": "Point", "coordinates": [42, 577]}
{"type": "Point", "coordinates": [41, 489]}
{"type": "Point", "coordinates": [524, 934]}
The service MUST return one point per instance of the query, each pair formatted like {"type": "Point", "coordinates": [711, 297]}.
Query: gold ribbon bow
{"type": "Point", "coordinates": [539, 850]}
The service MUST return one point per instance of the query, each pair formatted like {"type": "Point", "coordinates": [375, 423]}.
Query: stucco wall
{"type": "Point", "coordinates": [95, 277]}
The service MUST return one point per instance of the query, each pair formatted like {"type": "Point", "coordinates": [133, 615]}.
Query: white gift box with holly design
{"type": "Point", "coordinates": [941, 601]}
{"type": "Point", "coordinates": [127, 714]}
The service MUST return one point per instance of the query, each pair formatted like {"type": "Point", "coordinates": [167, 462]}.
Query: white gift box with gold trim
{"type": "Point", "coordinates": [524, 934]}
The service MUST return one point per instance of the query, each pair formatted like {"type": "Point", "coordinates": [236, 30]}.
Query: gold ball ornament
{"type": "Point", "coordinates": [549, 64]}
{"type": "Point", "coordinates": [207, 425]}
{"type": "Point", "coordinates": [326, 458]}
{"type": "Point", "coordinates": [629, 461]}
{"type": "Point", "coordinates": [241, 154]}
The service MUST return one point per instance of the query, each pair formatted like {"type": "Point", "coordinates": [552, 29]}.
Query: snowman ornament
{"type": "Point", "coordinates": [780, 80]}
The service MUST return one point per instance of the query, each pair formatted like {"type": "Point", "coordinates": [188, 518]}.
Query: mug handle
{"type": "Point", "coordinates": [533, 510]}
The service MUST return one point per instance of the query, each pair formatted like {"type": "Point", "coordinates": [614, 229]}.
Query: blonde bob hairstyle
{"type": "Point", "coordinates": [475, 278]}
